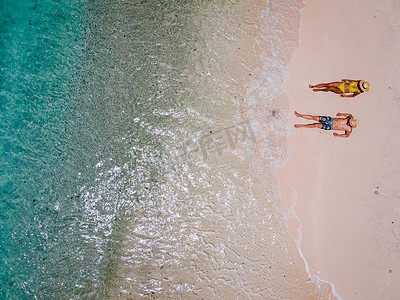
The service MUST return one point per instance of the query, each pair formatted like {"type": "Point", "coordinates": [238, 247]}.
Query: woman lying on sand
{"type": "Point", "coordinates": [345, 124]}
{"type": "Point", "coordinates": [346, 86]}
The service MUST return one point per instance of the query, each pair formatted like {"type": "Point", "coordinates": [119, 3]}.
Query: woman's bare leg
{"type": "Point", "coordinates": [326, 85]}
{"type": "Point", "coordinates": [319, 86]}
{"type": "Point", "coordinates": [335, 90]}
{"type": "Point", "coordinates": [327, 89]}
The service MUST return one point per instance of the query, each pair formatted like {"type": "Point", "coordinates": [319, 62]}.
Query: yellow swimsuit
{"type": "Point", "coordinates": [351, 90]}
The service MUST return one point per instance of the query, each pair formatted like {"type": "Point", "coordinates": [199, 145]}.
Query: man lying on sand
{"type": "Point", "coordinates": [346, 87]}
{"type": "Point", "coordinates": [327, 123]}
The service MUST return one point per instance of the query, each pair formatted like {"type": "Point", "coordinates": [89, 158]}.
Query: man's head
{"type": "Point", "coordinates": [353, 122]}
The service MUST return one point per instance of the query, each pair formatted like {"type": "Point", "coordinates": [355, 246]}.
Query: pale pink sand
{"type": "Point", "coordinates": [345, 193]}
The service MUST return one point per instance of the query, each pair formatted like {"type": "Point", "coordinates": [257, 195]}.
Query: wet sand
{"type": "Point", "coordinates": [342, 195]}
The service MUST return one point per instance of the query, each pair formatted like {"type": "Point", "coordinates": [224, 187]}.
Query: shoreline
{"type": "Point", "coordinates": [340, 195]}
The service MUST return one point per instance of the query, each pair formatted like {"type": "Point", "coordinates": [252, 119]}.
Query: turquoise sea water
{"type": "Point", "coordinates": [41, 252]}
{"type": "Point", "coordinates": [83, 91]}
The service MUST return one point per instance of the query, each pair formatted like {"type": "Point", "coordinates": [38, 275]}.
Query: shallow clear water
{"type": "Point", "coordinates": [136, 160]}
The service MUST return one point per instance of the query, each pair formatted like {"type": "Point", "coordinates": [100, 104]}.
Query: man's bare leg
{"type": "Point", "coordinates": [308, 117]}
{"type": "Point", "coordinates": [314, 125]}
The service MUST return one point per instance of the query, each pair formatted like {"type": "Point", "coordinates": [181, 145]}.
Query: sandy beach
{"type": "Point", "coordinates": [342, 195]}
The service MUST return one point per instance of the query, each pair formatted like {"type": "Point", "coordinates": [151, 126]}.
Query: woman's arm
{"type": "Point", "coordinates": [350, 96]}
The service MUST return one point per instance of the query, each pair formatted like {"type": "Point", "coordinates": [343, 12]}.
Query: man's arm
{"type": "Point", "coordinates": [344, 114]}
{"type": "Point", "coordinates": [344, 135]}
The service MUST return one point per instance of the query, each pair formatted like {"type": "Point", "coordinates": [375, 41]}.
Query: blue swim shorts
{"type": "Point", "coordinates": [326, 122]}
